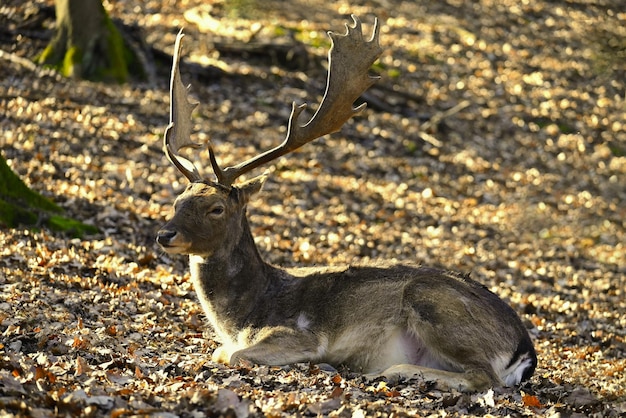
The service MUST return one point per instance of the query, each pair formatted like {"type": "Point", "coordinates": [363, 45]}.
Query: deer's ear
{"type": "Point", "coordinates": [252, 186]}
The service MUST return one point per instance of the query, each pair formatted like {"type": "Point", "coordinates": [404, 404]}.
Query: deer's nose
{"type": "Point", "coordinates": [164, 237]}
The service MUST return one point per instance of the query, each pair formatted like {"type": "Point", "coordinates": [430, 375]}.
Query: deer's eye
{"type": "Point", "coordinates": [216, 210]}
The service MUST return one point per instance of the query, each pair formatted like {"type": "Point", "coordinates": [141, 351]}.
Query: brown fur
{"type": "Point", "coordinates": [397, 321]}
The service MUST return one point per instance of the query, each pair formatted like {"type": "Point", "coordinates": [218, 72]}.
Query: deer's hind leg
{"type": "Point", "coordinates": [434, 361]}
{"type": "Point", "coordinates": [472, 380]}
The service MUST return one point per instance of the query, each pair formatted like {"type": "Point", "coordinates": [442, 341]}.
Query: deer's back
{"type": "Point", "coordinates": [435, 295]}
{"type": "Point", "coordinates": [418, 310]}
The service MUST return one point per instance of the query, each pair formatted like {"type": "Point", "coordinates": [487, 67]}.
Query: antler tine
{"type": "Point", "coordinates": [350, 58]}
{"type": "Point", "coordinates": [178, 132]}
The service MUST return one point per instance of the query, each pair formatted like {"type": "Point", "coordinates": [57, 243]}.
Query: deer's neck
{"type": "Point", "coordinates": [230, 285]}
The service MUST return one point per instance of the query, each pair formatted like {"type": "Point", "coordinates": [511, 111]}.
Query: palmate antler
{"type": "Point", "coordinates": [178, 132]}
{"type": "Point", "coordinates": [350, 58]}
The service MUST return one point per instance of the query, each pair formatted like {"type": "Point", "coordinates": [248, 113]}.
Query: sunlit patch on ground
{"type": "Point", "coordinates": [523, 186]}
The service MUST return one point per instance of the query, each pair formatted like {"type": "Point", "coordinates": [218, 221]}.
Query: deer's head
{"type": "Point", "coordinates": [210, 214]}
{"type": "Point", "coordinates": [208, 218]}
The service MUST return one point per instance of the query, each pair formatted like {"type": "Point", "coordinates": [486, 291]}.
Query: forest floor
{"type": "Point", "coordinates": [494, 144]}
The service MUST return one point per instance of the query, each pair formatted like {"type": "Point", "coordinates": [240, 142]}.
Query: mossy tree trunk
{"type": "Point", "coordinates": [20, 205]}
{"type": "Point", "coordinates": [87, 44]}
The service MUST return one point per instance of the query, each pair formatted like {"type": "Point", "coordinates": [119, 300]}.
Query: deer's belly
{"type": "Point", "coordinates": [372, 351]}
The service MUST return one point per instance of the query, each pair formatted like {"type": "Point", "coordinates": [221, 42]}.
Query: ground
{"type": "Point", "coordinates": [493, 144]}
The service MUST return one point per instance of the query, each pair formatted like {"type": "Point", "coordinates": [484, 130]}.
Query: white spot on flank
{"type": "Point", "coordinates": [303, 322]}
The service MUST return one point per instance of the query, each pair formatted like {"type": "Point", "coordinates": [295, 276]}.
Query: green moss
{"type": "Point", "coordinates": [86, 62]}
{"type": "Point", "coordinates": [118, 54]}
{"type": "Point", "coordinates": [46, 56]}
{"type": "Point", "coordinates": [394, 73]}
{"type": "Point", "coordinates": [121, 61]}
{"type": "Point", "coordinates": [70, 226]}
{"type": "Point", "coordinates": [20, 205]}
{"type": "Point", "coordinates": [12, 215]}
{"type": "Point", "coordinates": [70, 67]}
{"type": "Point", "coordinates": [13, 188]}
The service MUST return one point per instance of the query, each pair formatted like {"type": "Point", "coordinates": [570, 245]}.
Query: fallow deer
{"type": "Point", "coordinates": [393, 321]}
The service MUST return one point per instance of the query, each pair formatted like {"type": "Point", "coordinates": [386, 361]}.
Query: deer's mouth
{"type": "Point", "coordinates": [172, 242]}
{"type": "Point", "coordinates": [174, 249]}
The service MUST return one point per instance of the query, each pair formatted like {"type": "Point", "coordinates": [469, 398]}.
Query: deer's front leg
{"type": "Point", "coordinates": [276, 346]}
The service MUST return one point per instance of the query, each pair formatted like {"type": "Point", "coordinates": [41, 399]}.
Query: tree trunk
{"type": "Point", "coordinates": [20, 205]}
{"type": "Point", "coordinates": [87, 44]}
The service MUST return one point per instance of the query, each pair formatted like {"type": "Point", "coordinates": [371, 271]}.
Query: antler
{"type": "Point", "coordinates": [178, 132]}
{"type": "Point", "coordinates": [350, 58]}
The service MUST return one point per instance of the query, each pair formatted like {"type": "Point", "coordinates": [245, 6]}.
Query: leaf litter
{"type": "Point", "coordinates": [523, 186]}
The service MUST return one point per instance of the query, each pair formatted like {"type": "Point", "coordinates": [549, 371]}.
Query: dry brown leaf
{"type": "Point", "coordinates": [531, 401]}
{"type": "Point", "coordinates": [82, 367]}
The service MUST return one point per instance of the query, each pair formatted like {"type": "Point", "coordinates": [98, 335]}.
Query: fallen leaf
{"type": "Point", "coordinates": [325, 407]}
{"type": "Point", "coordinates": [531, 401]}
{"type": "Point", "coordinates": [82, 366]}
{"type": "Point", "coordinates": [337, 392]}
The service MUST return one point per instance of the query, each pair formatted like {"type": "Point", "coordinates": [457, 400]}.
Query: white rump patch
{"type": "Point", "coordinates": [512, 375]}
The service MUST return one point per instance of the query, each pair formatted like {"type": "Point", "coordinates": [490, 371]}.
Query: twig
{"type": "Point", "coordinates": [436, 119]}
{"type": "Point", "coordinates": [439, 116]}
{"type": "Point", "coordinates": [29, 65]}
{"type": "Point", "coordinates": [430, 139]}
{"type": "Point", "coordinates": [404, 94]}
{"type": "Point", "coordinates": [18, 60]}
{"type": "Point", "coordinates": [376, 103]}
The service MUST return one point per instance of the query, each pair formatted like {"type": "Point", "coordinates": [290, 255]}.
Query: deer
{"type": "Point", "coordinates": [393, 321]}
